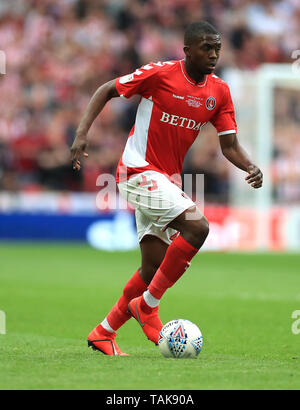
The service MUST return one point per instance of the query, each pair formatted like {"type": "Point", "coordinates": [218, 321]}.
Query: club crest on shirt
{"type": "Point", "coordinates": [210, 103]}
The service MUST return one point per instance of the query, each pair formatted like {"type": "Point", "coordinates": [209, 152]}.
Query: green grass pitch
{"type": "Point", "coordinates": [53, 295]}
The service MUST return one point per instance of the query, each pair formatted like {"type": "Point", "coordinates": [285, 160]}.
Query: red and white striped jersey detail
{"type": "Point", "coordinates": [134, 154]}
{"type": "Point", "coordinates": [171, 113]}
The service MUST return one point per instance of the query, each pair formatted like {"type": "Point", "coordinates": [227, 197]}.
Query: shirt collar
{"type": "Point", "coordinates": [189, 79]}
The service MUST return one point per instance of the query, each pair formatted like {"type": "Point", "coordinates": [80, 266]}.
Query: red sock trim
{"type": "Point", "coordinates": [119, 315]}
{"type": "Point", "coordinates": [175, 263]}
{"type": "Point", "coordinates": [159, 282]}
{"type": "Point", "coordinates": [100, 329]}
{"type": "Point", "coordinates": [146, 308]}
{"type": "Point", "coordinates": [134, 287]}
{"type": "Point", "coordinates": [189, 250]}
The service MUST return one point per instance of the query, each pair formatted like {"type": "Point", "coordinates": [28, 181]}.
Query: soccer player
{"type": "Point", "coordinates": [177, 99]}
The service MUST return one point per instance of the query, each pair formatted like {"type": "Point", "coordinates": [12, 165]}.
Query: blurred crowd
{"type": "Point", "coordinates": [286, 164]}
{"type": "Point", "coordinates": [60, 51]}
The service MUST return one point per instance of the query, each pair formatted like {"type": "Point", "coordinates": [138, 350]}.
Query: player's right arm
{"type": "Point", "coordinates": [141, 82]}
{"type": "Point", "coordinates": [103, 94]}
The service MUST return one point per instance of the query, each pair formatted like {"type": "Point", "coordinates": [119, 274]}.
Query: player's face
{"type": "Point", "coordinates": [204, 54]}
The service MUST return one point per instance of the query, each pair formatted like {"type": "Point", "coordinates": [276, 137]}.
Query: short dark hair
{"type": "Point", "coordinates": [195, 30]}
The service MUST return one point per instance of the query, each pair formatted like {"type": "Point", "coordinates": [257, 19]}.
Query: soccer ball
{"type": "Point", "coordinates": [180, 339]}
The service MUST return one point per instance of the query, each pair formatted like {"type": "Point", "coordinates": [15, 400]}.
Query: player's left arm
{"type": "Point", "coordinates": [235, 153]}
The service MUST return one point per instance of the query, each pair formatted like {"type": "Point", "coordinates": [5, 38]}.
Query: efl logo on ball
{"type": "Point", "coordinates": [180, 339]}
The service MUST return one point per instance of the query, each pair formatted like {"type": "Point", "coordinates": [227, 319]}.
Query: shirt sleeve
{"type": "Point", "coordinates": [224, 120]}
{"type": "Point", "coordinates": [141, 82]}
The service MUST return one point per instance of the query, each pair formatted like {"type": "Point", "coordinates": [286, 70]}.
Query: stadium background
{"type": "Point", "coordinates": [55, 287]}
{"type": "Point", "coordinates": [59, 52]}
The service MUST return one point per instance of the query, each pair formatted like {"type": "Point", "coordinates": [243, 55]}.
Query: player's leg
{"type": "Point", "coordinates": [177, 259]}
{"type": "Point", "coordinates": [193, 233]}
{"type": "Point", "coordinates": [193, 228]}
{"type": "Point", "coordinates": [102, 338]}
{"type": "Point", "coordinates": [153, 251]}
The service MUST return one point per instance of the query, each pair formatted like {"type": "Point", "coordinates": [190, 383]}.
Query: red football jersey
{"type": "Point", "coordinates": [172, 111]}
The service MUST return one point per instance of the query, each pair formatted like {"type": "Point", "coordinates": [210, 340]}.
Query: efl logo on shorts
{"type": "Point", "coordinates": [210, 103]}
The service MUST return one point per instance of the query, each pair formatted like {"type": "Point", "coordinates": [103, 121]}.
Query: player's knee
{"type": "Point", "coordinates": [204, 227]}
{"type": "Point", "coordinates": [201, 228]}
{"type": "Point", "coordinates": [198, 231]}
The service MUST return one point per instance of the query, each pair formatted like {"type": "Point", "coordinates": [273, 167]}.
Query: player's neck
{"type": "Point", "coordinates": [193, 73]}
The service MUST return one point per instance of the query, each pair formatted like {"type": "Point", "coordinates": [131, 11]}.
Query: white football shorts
{"type": "Point", "coordinates": [157, 202]}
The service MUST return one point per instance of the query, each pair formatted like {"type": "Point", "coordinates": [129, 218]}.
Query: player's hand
{"type": "Point", "coordinates": [255, 177]}
{"type": "Point", "coordinates": [77, 150]}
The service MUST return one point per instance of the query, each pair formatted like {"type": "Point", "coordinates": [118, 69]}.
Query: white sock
{"type": "Point", "coordinates": [150, 300]}
{"type": "Point", "coordinates": [106, 326]}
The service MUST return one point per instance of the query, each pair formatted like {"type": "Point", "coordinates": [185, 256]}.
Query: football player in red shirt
{"type": "Point", "coordinates": [177, 99]}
